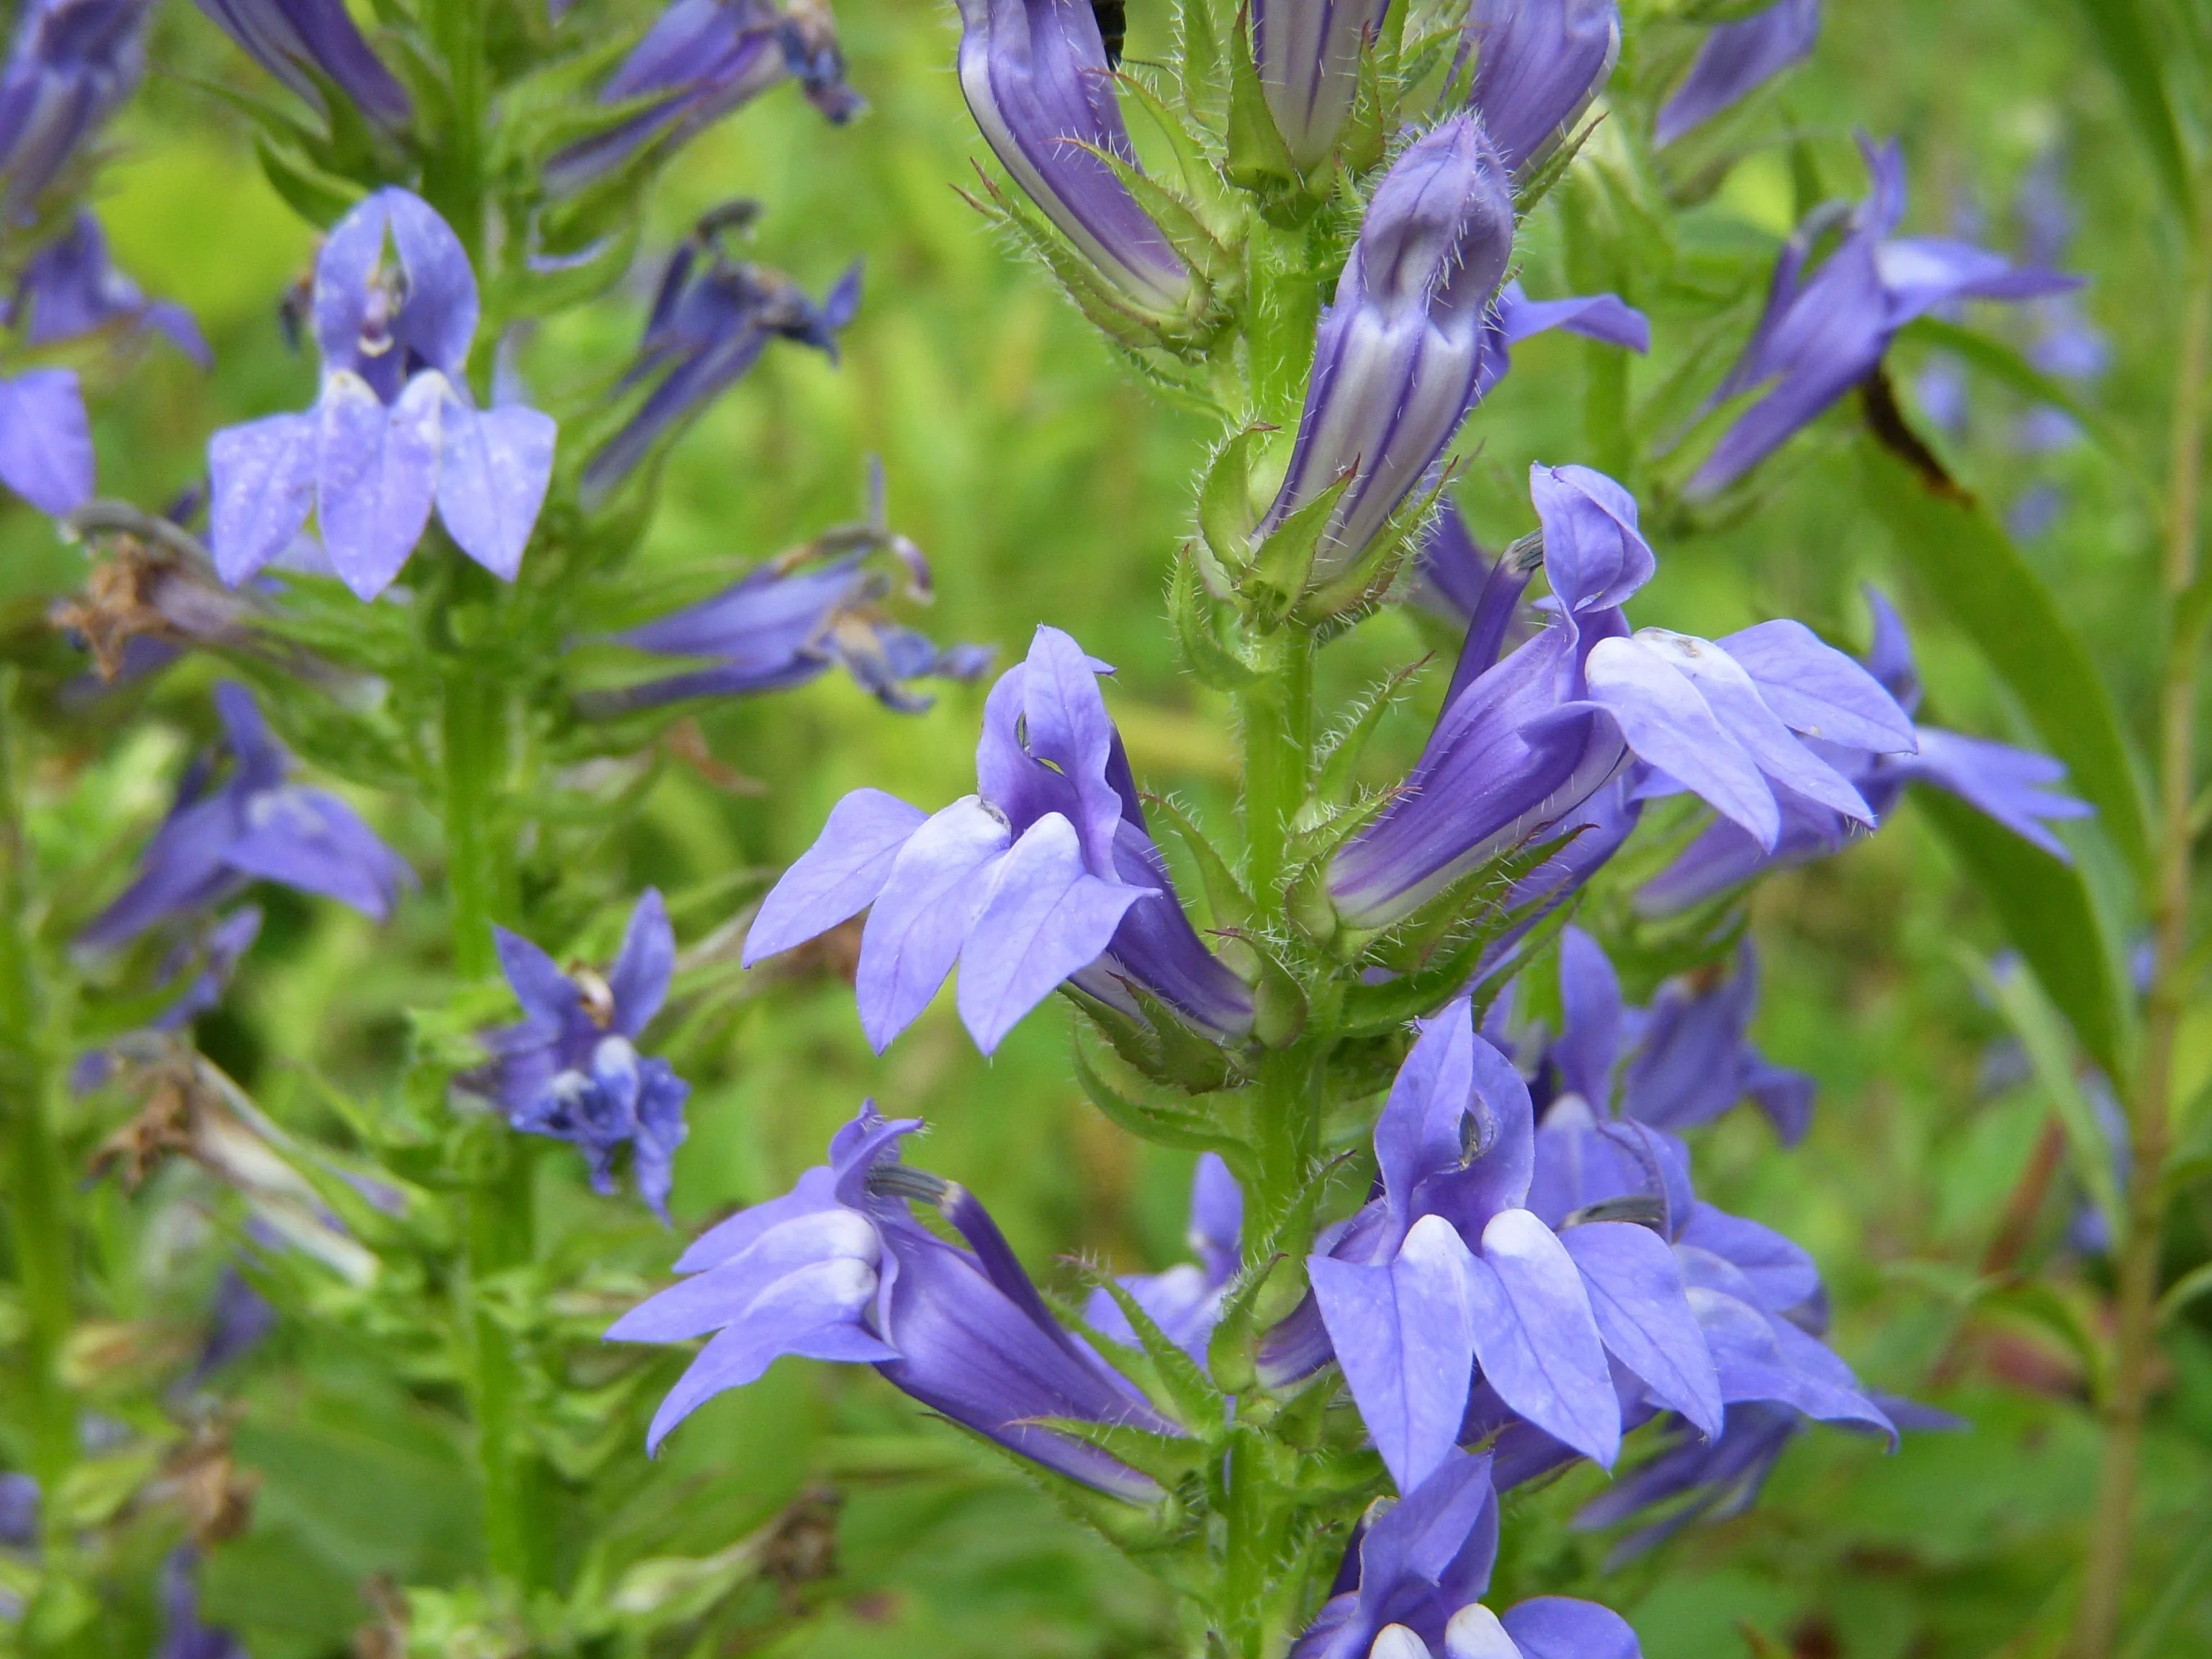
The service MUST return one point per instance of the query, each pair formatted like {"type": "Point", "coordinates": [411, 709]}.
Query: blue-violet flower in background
{"type": "Point", "coordinates": [1538, 64]}
{"type": "Point", "coordinates": [255, 826]}
{"type": "Point", "coordinates": [1048, 873]}
{"type": "Point", "coordinates": [1821, 335]}
{"type": "Point", "coordinates": [46, 440]}
{"type": "Point", "coordinates": [839, 1268]}
{"type": "Point", "coordinates": [571, 1070]}
{"type": "Point", "coordinates": [1185, 1300]}
{"type": "Point", "coordinates": [394, 430]}
{"type": "Point", "coordinates": [71, 65]}
{"type": "Point", "coordinates": [69, 288]}
{"type": "Point", "coordinates": [183, 1635]}
{"type": "Point", "coordinates": [311, 44]}
{"type": "Point", "coordinates": [1735, 60]}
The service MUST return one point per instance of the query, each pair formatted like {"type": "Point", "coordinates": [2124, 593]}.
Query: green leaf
{"type": "Point", "coordinates": [1209, 661]}
{"type": "Point", "coordinates": [1998, 601]}
{"type": "Point", "coordinates": [1224, 895]}
{"type": "Point", "coordinates": [1165, 1458]}
{"type": "Point", "coordinates": [2124, 38]}
{"type": "Point", "coordinates": [2044, 908]}
{"type": "Point", "coordinates": [312, 194]}
{"type": "Point", "coordinates": [1225, 518]}
{"type": "Point", "coordinates": [1285, 560]}
{"type": "Point", "coordinates": [1195, 1398]}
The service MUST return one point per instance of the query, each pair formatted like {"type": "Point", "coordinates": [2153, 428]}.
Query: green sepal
{"type": "Point", "coordinates": [1185, 1058]}
{"type": "Point", "coordinates": [1225, 517]}
{"type": "Point", "coordinates": [1224, 895]}
{"type": "Point", "coordinates": [1201, 183]}
{"type": "Point", "coordinates": [1100, 306]}
{"type": "Point", "coordinates": [1177, 1126]}
{"type": "Point", "coordinates": [1178, 220]}
{"type": "Point", "coordinates": [1541, 183]}
{"type": "Point", "coordinates": [1196, 1401]}
{"type": "Point", "coordinates": [1228, 1355]}
{"type": "Point", "coordinates": [1209, 661]}
{"type": "Point", "coordinates": [1282, 562]}
{"type": "Point", "coordinates": [1197, 44]}
{"type": "Point", "coordinates": [316, 196]}
{"type": "Point", "coordinates": [1344, 752]}
{"type": "Point", "coordinates": [1259, 160]}
{"type": "Point", "coordinates": [1166, 1458]}
{"type": "Point", "coordinates": [1279, 1004]}
{"type": "Point", "coordinates": [1364, 582]}
{"type": "Point", "coordinates": [1366, 136]}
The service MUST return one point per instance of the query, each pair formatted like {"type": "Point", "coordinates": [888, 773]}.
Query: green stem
{"type": "Point", "coordinates": [473, 729]}
{"type": "Point", "coordinates": [2151, 1105]}
{"type": "Point", "coordinates": [1252, 1546]}
{"type": "Point", "coordinates": [453, 176]}
{"type": "Point", "coordinates": [1277, 742]}
{"type": "Point", "coordinates": [37, 1187]}
{"type": "Point", "coordinates": [502, 1234]}
{"type": "Point", "coordinates": [1283, 312]}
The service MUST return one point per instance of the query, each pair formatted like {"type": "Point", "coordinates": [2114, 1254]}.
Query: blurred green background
{"type": "Point", "coordinates": [1047, 485]}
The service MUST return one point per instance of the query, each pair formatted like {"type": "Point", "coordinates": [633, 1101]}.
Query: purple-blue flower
{"type": "Point", "coordinates": [784, 624]}
{"type": "Point", "coordinates": [712, 318]}
{"type": "Point", "coordinates": [1048, 873]}
{"type": "Point", "coordinates": [210, 959]}
{"type": "Point", "coordinates": [1307, 52]}
{"type": "Point", "coordinates": [1398, 357]}
{"type": "Point", "coordinates": [2017, 787]}
{"type": "Point", "coordinates": [1451, 1268]}
{"type": "Point", "coordinates": [68, 288]}
{"type": "Point", "coordinates": [255, 826]}
{"type": "Point", "coordinates": [571, 1070]}
{"type": "Point", "coordinates": [1529, 739]}
{"type": "Point", "coordinates": [1185, 1300]}
{"type": "Point", "coordinates": [46, 440]}
{"type": "Point", "coordinates": [183, 1635]}
{"type": "Point", "coordinates": [310, 44]}
{"type": "Point", "coordinates": [1414, 1574]}
{"type": "Point", "coordinates": [18, 1511]}
{"type": "Point", "coordinates": [840, 1269]}
{"type": "Point", "coordinates": [1538, 64]}
{"type": "Point", "coordinates": [701, 60]}
{"type": "Point", "coordinates": [394, 430]}
{"type": "Point", "coordinates": [72, 64]}
{"type": "Point", "coordinates": [1735, 60]}
{"type": "Point", "coordinates": [1036, 80]}
{"type": "Point", "coordinates": [1821, 335]}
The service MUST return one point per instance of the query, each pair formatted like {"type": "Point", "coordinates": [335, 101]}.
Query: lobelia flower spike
{"type": "Point", "coordinates": [1398, 357]}
{"type": "Point", "coordinates": [712, 318]}
{"type": "Point", "coordinates": [1821, 335]}
{"type": "Point", "coordinates": [1307, 52]}
{"type": "Point", "coordinates": [1048, 874]}
{"type": "Point", "coordinates": [254, 827]}
{"type": "Point", "coordinates": [69, 288]}
{"type": "Point", "coordinates": [1538, 64]}
{"type": "Point", "coordinates": [701, 60]}
{"type": "Point", "coordinates": [1037, 83]}
{"type": "Point", "coordinates": [2017, 787]}
{"type": "Point", "coordinates": [72, 64]}
{"type": "Point", "coordinates": [311, 44]}
{"type": "Point", "coordinates": [1449, 1268]}
{"type": "Point", "coordinates": [1735, 60]}
{"type": "Point", "coordinates": [46, 440]}
{"type": "Point", "coordinates": [1412, 1575]}
{"type": "Point", "coordinates": [393, 431]}
{"type": "Point", "coordinates": [1530, 738]}
{"type": "Point", "coordinates": [1185, 1300]}
{"type": "Point", "coordinates": [840, 1269]}
{"type": "Point", "coordinates": [570, 1070]}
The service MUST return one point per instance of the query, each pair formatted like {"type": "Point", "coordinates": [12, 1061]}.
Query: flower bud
{"type": "Point", "coordinates": [1539, 64]}
{"type": "Point", "coordinates": [1397, 357]}
{"type": "Point", "coordinates": [74, 61]}
{"type": "Point", "coordinates": [1308, 55]}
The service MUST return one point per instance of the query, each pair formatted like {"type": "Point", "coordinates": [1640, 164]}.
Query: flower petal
{"type": "Point", "coordinates": [493, 467]}
{"type": "Point", "coordinates": [376, 473]}
{"type": "Point", "coordinates": [1644, 1317]}
{"type": "Point", "coordinates": [1664, 720]}
{"type": "Point", "coordinates": [1537, 1338]}
{"type": "Point", "coordinates": [936, 887]}
{"type": "Point", "coordinates": [46, 441]}
{"type": "Point", "coordinates": [838, 877]}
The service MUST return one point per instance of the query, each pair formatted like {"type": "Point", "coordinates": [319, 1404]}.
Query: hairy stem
{"type": "Point", "coordinates": [2150, 1105]}
{"type": "Point", "coordinates": [1278, 747]}
{"type": "Point", "coordinates": [502, 1234]}
{"type": "Point", "coordinates": [453, 176]}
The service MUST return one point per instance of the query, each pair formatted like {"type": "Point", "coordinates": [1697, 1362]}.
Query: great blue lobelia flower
{"type": "Point", "coordinates": [1048, 873]}
{"type": "Point", "coordinates": [712, 318]}
{"type": "Point", "coordinates": [840, 1269]}
{"type": "Point", "coordinates": [1414, 1571]}
{"type": "Point", "coordinates": [1307, 52]}
{"type": "Point", "coordinates": [1538, 64]}
{"type": "Point", "coordinates": [1822, 334]}
{"type": "Point", "coordinates": [2017, 787]}
{"type": "Point", "coordinates": [1185, 1300]}
{"type": "Point", "coordinates": [1398, 356]}
{"type": "Point", "coordinates": [1449, 1268]}
{"type": "Point", "coordinates": [309, 45]}
{"type": "Point", "coordinates": [72, 64]}
{"type": "Point", "coordinates": [394, 430]}
{"type": "Point", "coordinates": [46, 441]}
{"type": "Point", "coordinates": [1036, 80]}
{"type": "Point", "coordinates": [1531, 738]}
{"type": "Point", "coordinates": [571, 1070]}
{"type": "Point", "coordinates": [255, 826]}
{"type": "Point", "coordinates": [701, 60]}
{"type": "Point", "coordinates": [69, 288]}
{"type": "Point", "coordinates": [183, 1635]}
{"type": "Point", "coordinates": [1735, 60]}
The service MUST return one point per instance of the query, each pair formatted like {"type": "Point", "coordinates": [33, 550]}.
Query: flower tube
{"type": "Point", "coordinates": [1538, 64]}
{"type": "Point", "coordinates": [1307, 52]}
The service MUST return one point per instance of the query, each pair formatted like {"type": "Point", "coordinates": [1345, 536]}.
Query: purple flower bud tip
{"type": "Point", "coordinates": [1046, 874]}
{"type": "Point", "coordinates": [840, 1269]}
{"type": "Point", "coordinates": [1735, 60]}
{"type": "Point", "coordinates": [72, 64]}
{"type": "Point", "coordinates": [1036, 80]}
{"type": "Point", "coordinates": [301, 42]}
{"type": "Point", "coordinates": [571, 1070]}
{"type": "Point", "coordinates": [1399, 356]}
{"type": "Point", "coordinates": [255, 826]}
{"type": "Point", "coordinates": [1307, 52]}
{"type": "Point", "coordinates": [1538, 64]}
{"type": "Point", "coordinates": [394, 431]}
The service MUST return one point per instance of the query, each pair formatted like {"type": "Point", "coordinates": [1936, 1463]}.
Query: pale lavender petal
{"type": "Point", "coordinates": [493, 467]}
{"type": "Point", "coordinates": [1635, 1294]}
{"type": "Point", "coordinates": [1560, 1627]}
{"type": "Point", "coordinates": [2015, 787]}
{"type": "Point", "coordinates": [1781, 1274]}
{"type": "Point", "coordinates": [1603, 316]}
{"type": "Point", "coordinates": [1735, 60]}
{"type": "Point", "coordinates": [720, 1296]}
{"type": "Point", "coordinates": [1668, 723]}
{"type": "Point", "coordinates": [46, 441]}
{"type": "Point", "coordinates": [439, 312]}
{"type": "Point", "coordinates": [639, 976]}
{"type": "Point", "coordinates": [838, 877]}
{"type": "Point", "coordinates": [1044, 917]}
{"type": "Point", "coordinates": [931, 896]}
{"type": "Point", "coordinates": [1537, 1338]}
{"type": "Point", "coordinates": [1595, 555]}
{"type": "Point", "coordinates": [1819, 690]}
{"type": "Point", "coordinates": [376, 473]}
